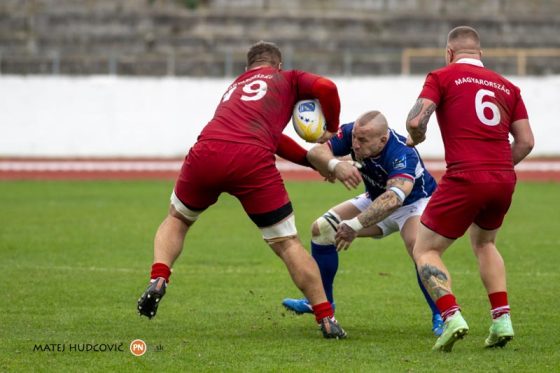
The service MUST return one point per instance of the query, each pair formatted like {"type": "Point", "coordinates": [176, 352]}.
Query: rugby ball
{"type": "Point", "coordinates": [308, 120]}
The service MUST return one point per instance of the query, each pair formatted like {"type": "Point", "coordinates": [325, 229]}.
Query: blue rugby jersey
{"type": "Point", "coordinates": [396, 159]}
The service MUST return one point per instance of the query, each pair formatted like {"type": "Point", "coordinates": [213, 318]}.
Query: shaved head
{"type": "Point", "coordinates": [462, 42]}
{"type": "Point", "coordinates": [376, 120]}
{"type": "Point", "coordinates": [463, 38]}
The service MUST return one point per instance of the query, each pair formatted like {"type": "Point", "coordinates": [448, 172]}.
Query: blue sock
{"type": "Point", "coordinates": [431, 303]}
{"type": "Point", "coordinates": [327, 259]}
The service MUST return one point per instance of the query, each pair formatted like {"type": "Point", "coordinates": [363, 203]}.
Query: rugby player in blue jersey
{"type": "Point", "coordinates": [398, 187]}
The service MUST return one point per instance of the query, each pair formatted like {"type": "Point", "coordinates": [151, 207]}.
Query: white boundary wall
{"type": "Point", "coordinates": [150, 117]}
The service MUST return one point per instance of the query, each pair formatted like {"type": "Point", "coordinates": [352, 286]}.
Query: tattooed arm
{"type": "Point", "coordinates": [398, 189]}
{"type": "Point", "coordinates": [417, 121]}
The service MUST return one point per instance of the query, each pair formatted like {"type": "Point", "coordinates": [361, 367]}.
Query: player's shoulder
{"type": "Point", "coordinates": [441, 70]}
{"type": "Point", "coordinates": [295, 74]}
{"type": "Point", "coordinates": [397, 141]}
{"type": "Point", "coordinates": [345, 130]}
{"type": "Point", "coordinates": [344, 134]}
{"type": "Point", "coordinates": [502, 78]}
{"type": "Point", "coordinates": [267, 73]}
{"type": "Point", "coordinates": [397, 147]}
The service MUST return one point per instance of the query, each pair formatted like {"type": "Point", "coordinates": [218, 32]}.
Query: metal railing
{"type": "Point", "coordinates": [520, 55]}
{"type": "Point", "coordinates": [521, 61]}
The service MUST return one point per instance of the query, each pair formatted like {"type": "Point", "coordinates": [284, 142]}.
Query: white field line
{"type": "Point", "coordinates": [74, 268]}
{"type": "Point", "coordinates": [540, 166]}
{"type": "Point", "coordinates": [81, 166]}
{"type": "Point", "coordinates": [175, 165]}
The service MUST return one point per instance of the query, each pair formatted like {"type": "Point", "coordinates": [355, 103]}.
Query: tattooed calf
{"type": "Point", "coordinates": [435, 280]}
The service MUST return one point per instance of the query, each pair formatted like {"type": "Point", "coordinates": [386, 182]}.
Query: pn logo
{"type": "Point", "coordinates": [306, 106]}
{"type": "Point", "coordinates": [138, 347]}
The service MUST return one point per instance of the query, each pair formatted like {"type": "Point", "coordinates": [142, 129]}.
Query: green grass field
{"type": "Point", "coordinates": [75, 256]}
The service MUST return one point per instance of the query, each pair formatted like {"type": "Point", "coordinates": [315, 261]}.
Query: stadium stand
{"type": "Point", "coordinates": [205, 37]}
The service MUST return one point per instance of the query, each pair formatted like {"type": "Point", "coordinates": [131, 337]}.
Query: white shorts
{"type": "Point", "coordinates": [395, 221]}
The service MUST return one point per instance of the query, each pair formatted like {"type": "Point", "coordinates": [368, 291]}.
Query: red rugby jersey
{"type": "Point", "coordinates": [475, 108]}
{"type": "Point", "coordinates": [258, 105]}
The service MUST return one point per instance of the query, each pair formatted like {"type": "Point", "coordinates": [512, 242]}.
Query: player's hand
{"type": "Point", "coordinates": [348, 174]}
{"type": "Point", "coordinates": [325, 137]}
{"type": "Point", "coordinates": [344, 237]}
{"type": "Point", "coordinates": [328, 176]}
{"type": "Point", "coordinates": [412, 143]}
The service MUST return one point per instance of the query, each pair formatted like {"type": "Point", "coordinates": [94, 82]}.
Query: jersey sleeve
{"type": "Point", "coordinates": [341, 143]}
{"type": "Point", "coordinates": [431, 89]}
{"type": "Point", "coordinates": [292, 151]}
{"type": "Point", "coordinates": [315, 86]}
{"type": "Point", "coordinates": [519, 111]}
{"type": "Point", "coordinates": [403, 164]}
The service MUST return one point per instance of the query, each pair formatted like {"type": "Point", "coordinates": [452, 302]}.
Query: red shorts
{"type": "Point", "coordinates": [245, 171]}
{"type": "Point", "coordinates": [463, 198]}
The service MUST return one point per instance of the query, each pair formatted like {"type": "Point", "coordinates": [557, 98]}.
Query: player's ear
{"type": "Point", "coordinates": [384, 139]}
{"type": "Point", "coordinates": [280, 66]}
{"type": "Point", "coordinates": [449, 55]}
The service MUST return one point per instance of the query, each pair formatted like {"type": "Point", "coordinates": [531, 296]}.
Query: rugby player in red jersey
{"type": "Point", "coordinates": [235, 153]}
{"type": "Point", "coordinates": [477, 109]}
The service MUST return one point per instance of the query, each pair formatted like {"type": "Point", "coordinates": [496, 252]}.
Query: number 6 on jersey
{"type": "Point", "coordinates": [481, 105]}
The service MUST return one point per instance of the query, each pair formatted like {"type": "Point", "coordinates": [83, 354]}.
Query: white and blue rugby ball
{"type": "Point", "coordinates": [308, 120]}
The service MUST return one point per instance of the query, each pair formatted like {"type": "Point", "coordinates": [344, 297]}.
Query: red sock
{"type": "Point", "coordinates": [160, 270]}
{"type": "Point", "coordinates": [322, 310]}
{"type": "Point", "coordinates": [447, 305]}
{"type": "Point", "coordinates": [499, 304]}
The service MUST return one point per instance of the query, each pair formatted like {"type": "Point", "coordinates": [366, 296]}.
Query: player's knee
{"type": "Point", "coordinates": [315, 228]}
{"type": "Point", "coordinates": [182, 212]}
{"type": "Point", "coordinates": [482, 248]}
{"type": "Point", "coordinates": [324, 228]}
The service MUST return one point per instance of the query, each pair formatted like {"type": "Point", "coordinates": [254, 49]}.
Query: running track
{"type": "Point", "coordinates": [538, 169]}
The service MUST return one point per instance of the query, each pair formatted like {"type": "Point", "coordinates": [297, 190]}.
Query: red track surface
{"type": "Point", "coordinates": [544, 169]}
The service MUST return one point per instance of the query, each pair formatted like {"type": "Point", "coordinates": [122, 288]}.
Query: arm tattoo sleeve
{"type": "Point", "coordinates": [402, 183]}
{"type": "Point", "coordinates": [398, 182]}
{"type": "Point", "coordinates": [423, 124]}
{"type": "Point", "coordinates": [435, 280]}
{"type": "Point", "coordinates": [379, 209]}
{"type": "Point", "coordinates": [422, 116]}
{"type": "Point", "coordinates": [386, 203]}
{"type": "Point", "coordinates": [415, 110]}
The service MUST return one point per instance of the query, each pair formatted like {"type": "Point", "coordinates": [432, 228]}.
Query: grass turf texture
{"type": "Point", "coordinates": [75, 257]}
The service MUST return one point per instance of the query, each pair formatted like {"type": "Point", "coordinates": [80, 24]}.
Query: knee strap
{"type": "Point", "coordinates": [327, 224]}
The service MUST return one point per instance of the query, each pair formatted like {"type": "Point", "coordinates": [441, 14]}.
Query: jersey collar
{"type": "Point", "coordinates": [470, 61]}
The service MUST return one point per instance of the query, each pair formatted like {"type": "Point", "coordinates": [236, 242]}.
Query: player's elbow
{"type": "Point", "coordinates": [525, 144]}
{"type": "Point", "coordinates": [397, 203]}
{"type": "Point", "coordinates": [528, 147]}
{"type": "Point", "coordinates": [394, 201]}
{"type": "Point", "coordinates": [325, 86]}
{"type": "Point", "coordinates": [412, 124]}
{"type": "Point", "coordinates": [529, 144]}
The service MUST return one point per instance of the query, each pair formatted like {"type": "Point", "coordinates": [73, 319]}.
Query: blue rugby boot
{"type": "Point", "coordinates": [299, 306]}
{"type": "Point", "coordinates": [437, 324]}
